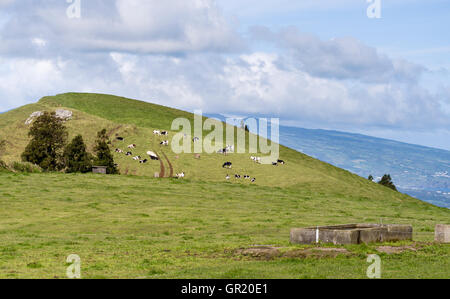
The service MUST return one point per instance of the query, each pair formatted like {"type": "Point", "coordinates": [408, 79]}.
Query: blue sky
{"type": "Point", "coordinates": [410, 29]}
{"type": "Point", "coordinates": [316, 64]}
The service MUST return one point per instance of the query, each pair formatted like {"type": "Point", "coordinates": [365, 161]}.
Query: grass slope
{"type": "Point", "coordinates": [134, 226]}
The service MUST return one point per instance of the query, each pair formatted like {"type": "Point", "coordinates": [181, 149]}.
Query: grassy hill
{"type": "Point", "coordinates": [136, 121]}
{"type": "Point", "coordinates": [133, 225]}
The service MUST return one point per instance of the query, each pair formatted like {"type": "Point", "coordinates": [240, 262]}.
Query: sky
{"type": "Point", "coordinates": [314, 64]}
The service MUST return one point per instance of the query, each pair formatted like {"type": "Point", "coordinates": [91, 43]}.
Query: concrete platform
{"type": "Point", "coordinates": [442, 233]}
{"type": "Point", "coordinates": [352, 234]}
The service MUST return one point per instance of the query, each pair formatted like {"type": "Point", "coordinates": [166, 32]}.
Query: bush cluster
{"type": "Point", "coordinates": [48, 149]}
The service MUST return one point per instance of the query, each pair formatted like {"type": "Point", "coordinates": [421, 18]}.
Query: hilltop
{"type": "Point", "coordinates": [136, 120]}
{"type": "Point", "coordinates": [134, 225]}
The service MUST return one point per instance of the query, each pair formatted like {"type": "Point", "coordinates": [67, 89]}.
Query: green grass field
{"type": "Point", "coordinates": [135, 226]}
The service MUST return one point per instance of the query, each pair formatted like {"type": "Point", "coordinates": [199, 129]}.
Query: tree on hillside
{"type": "Point", "coordinates": [370, 178]}
{"type": "Point", "coordinates": [103, 136]}
{"type": "Point", "coordinates": [48, 138]}
{"type": "Point", "coordinates": [386, 181]}
{"type": "Point", "coordinates": [76, 158]}
{"type": "Point", "coordinates": [103, 153]}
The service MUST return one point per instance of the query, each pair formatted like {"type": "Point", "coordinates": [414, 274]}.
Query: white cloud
{"type": "Point", "coordinates": [339, 58]}
{"type": "Point", "coordinates": [136, 26]}
{"type": "Point", "coordinates": [251, 84]}
{"type": "Point", "coordinates": [39, 42]}
{"type": "Point", "coordinates": [177, 54]}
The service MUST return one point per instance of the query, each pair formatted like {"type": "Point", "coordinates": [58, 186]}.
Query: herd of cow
{"type": "Point", "coordinates": [154, 156]}
{"type": "Point", "coordinates": [229, 165]}
{"type": "Point", "coordinates": [151, 154]}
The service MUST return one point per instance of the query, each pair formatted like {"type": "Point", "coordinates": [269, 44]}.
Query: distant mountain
{"type": "Point", "coordinates": [419, 171]}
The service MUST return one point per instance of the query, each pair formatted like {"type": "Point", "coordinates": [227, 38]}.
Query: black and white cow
{"type": "Point", "coordinates": [165, 133]}
{"type": "Point", "coordinates": [256, 159]}
{"type": "Point", "coordinates": [118, 150]}
{"type": "Point", "coordinates": [132, 146]}
{"type": "Point", "coordinates": [129, 154]}
{"type": "Point", "coordinates": [226, 150]}
{"type": "Point", "coordinates": [137, 158]}
{"type": "Point", "coordinates": [164, 143]}
{"type": "Point", "coordinates": [281, 162]}
{"type": "Point", "coordinates": [253, 180]}
{"type": "Point", "coordinates": [143, 161]}
{"type": "Point", "coordinates": [227, 165]}
{"type": "Point", "coordinates": [153, 155]}
{"type": "Point", "coordinates": [180, 175]}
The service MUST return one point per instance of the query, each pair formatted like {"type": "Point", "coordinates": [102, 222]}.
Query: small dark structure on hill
{"type": "Point", "coordinates": [352, 234]}
{"type": "Point", "coordinates": [99, 169]}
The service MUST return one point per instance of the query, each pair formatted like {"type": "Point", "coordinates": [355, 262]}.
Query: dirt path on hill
{"type": "Point", "coordinates": [112, 131]}
{"type": "Point", "coordinates": [162, 173]}
{"type": "Point", "coordinates": [170, 165]}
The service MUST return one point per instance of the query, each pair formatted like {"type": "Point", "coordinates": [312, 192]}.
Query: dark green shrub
{"type": "Point", "coordinates": [25, 167]}
{"type": "Point", "coordinates": [103, 153]}
{"type": "Point", "coordinates": [76, 158]}
{"type": "Point", "coordinates": [386, 181]}
{"type": "Point", "coordinates": [48, 140]}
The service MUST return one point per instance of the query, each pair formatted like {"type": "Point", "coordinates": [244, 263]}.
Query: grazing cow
{"type": "Point", "coordinates": [118, 150]}
{"type": "Point", "coordinates": [227, 177]}
{"type": "Point", "coordinates": [143, 161]}
{"type": "Point", "coordinates": [153, 156]}
{"type": "Point", "coordinates": [281, 162]}
{"type": "Point", "coordinates": [157, 132]}
{"type": "Point", "coordinates": [120, 138]}
{"type": "Point", "coordinates": [132, 146]}
{"type": "Point", "coordinates": [226, 150]}
{"type": "Point", "coordinates": [165, 133]}
{"type": "Point", "coordinates": [237, 176]}
{"type": "Point", "coordinates": [253, 180]}
{"type": "Point", "coordinates": [275, 164]}
{"type": "Point", "coordinates": [129, 154]}
{"type": "Point", "coordinates": [246, 177]}
{"type": "Point", "coordinates": [227, 165]}
{"type": "Point", "coordinates": [165, 143]}
{"type": "Point", "coordinates": [180, 175]}
{"type": "Point", "coordinates": [137, 158]}
{"type": "Point", "coordinates": [196, 139]}
{"type": "Point", "coordinates": [256, 159]}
